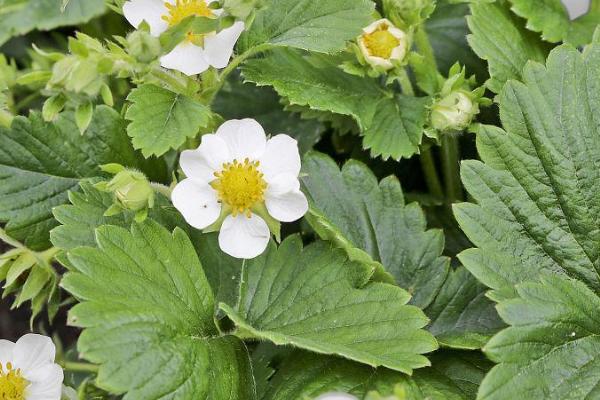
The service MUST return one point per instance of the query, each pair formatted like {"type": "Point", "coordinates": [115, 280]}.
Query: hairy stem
{"type": "Point", "coordinates": [451, 168]}
{"type": "Point", "coordinates": [431, 175]}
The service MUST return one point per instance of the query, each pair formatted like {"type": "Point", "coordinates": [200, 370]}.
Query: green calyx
{"type": "Point", "coordinates": [408, 13]}
{"type": "Point", "coordinates": [131, 189]}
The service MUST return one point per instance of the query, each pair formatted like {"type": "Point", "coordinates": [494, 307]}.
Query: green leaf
{"type": "Point", "coordinates": [453, 376]}
{"type": "Point", "coordinates": [447, 29]}
{"type": "Point", "coordinates": [316, 299]}
{"type": "Point", "coordinates": [372, 216]}
{"type": "Point", "coordinates": [22, 16]}
{"type": "Point", "coordinates": [163, 120]}
{"type": "Point", "coordinates": [40, 162]}
{"type": "Point", "coordinates": [552, 349]}
{"type": "Point", "coordinates": [461, 316]}
{"type": "Point", "coordinates": [87, 212]}
{"type": "Point", "coordinates": [550, 17]}
{"type": "Point", "coordinates": [238, 100]}
{"type": "Point", "coordinates": [537, 214]}
{"type": "Point", "coordinates": [320, 26]}
{"type": "Point", "coordinates": [392, 125]}
{"type": "Point", "coordinates": [538, 206]}
{"type": "Point", "coordinates": [501, 38]}
{"type": "Point", "coordinates": [162, 342]}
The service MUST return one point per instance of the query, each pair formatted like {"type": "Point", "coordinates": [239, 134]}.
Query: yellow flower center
{"type": "Point", "coordinates": [186, 8]}
{"type": "Point", "coordinates": [12, 383]}
{"type": "Point", "coordinates": [240, 185]}
{"type": "Point", "coordinates": [381, 43]}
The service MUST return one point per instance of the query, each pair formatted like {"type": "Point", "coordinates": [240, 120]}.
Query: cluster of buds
{"type": "Point", "coordinates": [456, 103]}
{"type": "Point", "coordinates": [131, 190]}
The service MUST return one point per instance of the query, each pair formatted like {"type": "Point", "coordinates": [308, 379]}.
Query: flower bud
{"type": "Point", "coordinates": [143, 46]}
{"type": "Point", "coordinates": [383, 45]}
{"type": "Point", "coordinates": [132, 190]}
{"type": "Point", "coordinates": [455, 112]}
{"type": "Point", "coordinates": [405, 13]}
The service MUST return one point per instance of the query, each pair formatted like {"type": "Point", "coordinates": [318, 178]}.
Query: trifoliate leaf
{"type": "Point", "coordinates": [537, 213]}
{"type": "Point", "coordinates": [22, 16]}
{"type": "Point", "coordinates": [550, 17]}
{"type": "Point", "coordinates": [453, 376]}
{"type": "Point", "coordinates": [316, 299]}
{"type": "Point", "coordinates": [238, 100]}
{"type": "Point", "coordinates": [352, 206]}
{"type": "Point", "coordinates": [461, 316]}
{"type": "Point", "coordinates": [447, 29]}
{"type": "Point", "coordinates": [87, 212]}
{"type": "Point", "coordinates": [321, 26]}
{"type": "Point", "coordinates": [163, 120]}
{"type": "Point", "coordinates": [162, 341]}
{"type": "Point", "coordinates": [551, 349]}
{"type": "Point", "coordinates": [41, 161]}
{"type": "Point", "coordinates": [538, 207]}
{"type": "Point", "coordinates": [392, 125]}
{"type": "Point", "coordinates": [500, 37]}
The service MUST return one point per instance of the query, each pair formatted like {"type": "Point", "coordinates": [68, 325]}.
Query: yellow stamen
{"type": "Point", "coordinates": [186, 8]}
{"type": "Point", "coordinates": [381, 43]}
{"type": "Point", "coordinates": [240, 186]}
{"type": "Point", "coordinates": [12, 383]}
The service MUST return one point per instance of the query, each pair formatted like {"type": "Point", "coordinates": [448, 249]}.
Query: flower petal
{"type": "Point", "coordinates": [287, 207]}
{"type": "Point", "coordinates": [186, 57]}
{"type": "Point", "coordinates": [209, 157]}
{"type": "Point", "coordinates": [243, 237]}
{"type": "Point", "coordinates": [281, 157]}
{"type": "Point", "coordinates": [45, 383]}
{"type": "Point", "coordinates": [33, 351]}
{"type": "Point", "coordinates": [197, 202]}
{"type": "Point", "coordinates": [151, 11]}
{"type": "Point", "coordinates": [6, 351]}
{"type": "Point", "coordinates": [245, 138]}
{"type": "Point", "coordinates": [219, 48]}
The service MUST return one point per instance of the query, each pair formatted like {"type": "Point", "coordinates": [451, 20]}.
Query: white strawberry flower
{"type": "Point", "coordinates": [238, 179]}
{"type": "Point", "coordinates": [197, 52]}
{"type": "Point", "coordinates": [383, 45]}
{"type": "Point", "coordinates": [28, 371]}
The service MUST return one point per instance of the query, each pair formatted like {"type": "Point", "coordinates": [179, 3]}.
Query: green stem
{"type": "Point", "coordinates": [80, 367]}
{"type": "Point", "coordinates": [451, 168]}
{"type": "Point", "coordinates": [233, 65]}
{"type": "Point", "coordinates": [162, 189]}
{"type": "Point", "coordinates": [431, 175]}
{"type": "Point", "coordinates": [405, 83]}
{"type": "Point", "coordinates": [424, 46]}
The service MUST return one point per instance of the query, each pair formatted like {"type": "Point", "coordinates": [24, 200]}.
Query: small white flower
{"type": "Point", "coordinates": [28, 371]}
{"type": "Point", "coordinates": [336, 396]}
{"type": "Point", "coordinates": [235, 175]}
{"type": "Point", "coordinates": [383, 45]}
{"type": "Point", "coordinates": [196, 54]}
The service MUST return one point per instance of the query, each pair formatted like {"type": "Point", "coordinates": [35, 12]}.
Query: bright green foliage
{"type": "Point", "coordinates": [555, 332]}
{"type": "Point", "coordinates": [163, 120]}
{"type": "Point", "coordinates": [41, 161]}
{"type": "Point", "coordinates": [350, 206]}
{"type": "Point", "coordinates": [538, 214]}
{"type": "Point", "coordinates": [316, 299]}
{"type": "Point", "coordinates": [321, 26]}
{"type": "Point", "coordinates": [392, 125]}
{"type": "Point", "coordinates": [238, 100]}
{"type": "Point", "coordinates": [550, 17]}
{"type": "Point", "coordinates": [453, 376]}
{"type": "Point", "coordinates": [500, 37]}
{"type": "Point", "coordinates": [162, 342]}
{"type": "Point", "coordinates": [22, 16]}
{"type": "Point", "coordinates": [461, 316]}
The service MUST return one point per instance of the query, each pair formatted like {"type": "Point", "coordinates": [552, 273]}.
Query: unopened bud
{"type": "Point", "coordinates": [143, 46]}
{"type": "Point", "coordinates": [455, 112]}
{"type": "Point", "coordinates": [132, 190]}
